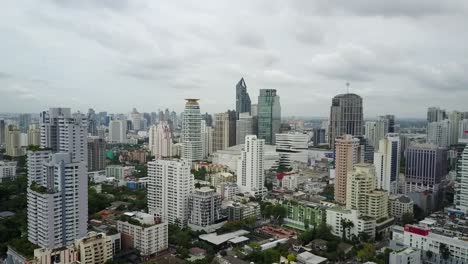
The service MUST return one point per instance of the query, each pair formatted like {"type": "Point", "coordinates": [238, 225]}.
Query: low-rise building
{"type": "Point", "coordinates": [398, 205]}
{"type": "Point", "coordinates": [238, 211]}
{"type": "Point", "coordinates": [143, 232]}
{"type": "Point", "coordinates": [7, 170]}
{"type": "Point", "coordinates": [227, 190]}
{"type": "Point", "coordinates": [336, 214]}
{"type": "Point", "coordinates": [119, 172]}
{"type": "Point", "coordinates": [444, 247]}
{"type": "Point", "coordinates": [405, 256]}
{"type": "Point", "coordinates": [95, 248]}
{"type": "Point", "coordinates": [303, 214]}
{"type": "Point", "coordinates": [222, 177]}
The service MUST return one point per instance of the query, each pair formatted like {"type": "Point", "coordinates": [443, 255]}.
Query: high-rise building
{"type": "Point", "coordinates": [191, 131]}
{"type": "Point", "coordinates": [455, 118]}
{"type": "Point", "coordinates": [319, 136]}
{"type": "Point", "coordinates": [232, 118]}
{"type": "Point", "coordinates": [24, 120]}
{"type": "Point", "coordinates": [34, 134]}
{"type": "Point", "coordinates": [435, 114]}
{"type": "Point", "coordinates": [426, 166]}
{"type": "Point", "coordinates": [361, 194]}
{"type": "Point", "coordinates": [204, 207]}
{"type": "Point", "coordinates": [221, 131]}
{"type": "Point", "coordinates": [207, 139]}
{"type": "Point", "coordinates": [208, 119]}
{"type": "Point", "coordinates": [170, 185]}
{"type": "Point", "coordinates": [118, 131]}
{"type": "Point", "coordinates": [381, 130]}
{"type": "Point", "coordinates": [461, 183]}
{"type": "Point", "coordinates": [361, 181]}
{"type": "Point", "coordinates": [58, 191]}
{"type": "Point", "coordinates": [250, 171]}
{"type": "Point", "coordinates": [243, 103]}
{"type": "Point", "coordinates": [2, 131]}
{"type": "Point", "coordinates": [440, 133]}
{"type": "Point", "coordinates": [346, 155]}
{"type": "Point", "coordinates": [391, 123]}
{"type": "Point", "coordinates": [462, 129]}
{"type": "Point", "coordinates": [160, 140]}
{"type": "Point", "coordinates": [346, 117]}
{"type": "Point", "coordinates": [292, 147]}
{"type": "Point", "coordinates": [269, 115]}
{"type": "Point", "coordinates": [244, 127]}
{"type": "Point", "coordinates": [92, 122]}
{"type": "Point", "coordinates": [13, 141]}
{"type": "Point", "coordinates": [387, 163]}
{"type": "Point", "coordinates": [96, 154]}
{"type": "Point", "coordinates": [137, 120]}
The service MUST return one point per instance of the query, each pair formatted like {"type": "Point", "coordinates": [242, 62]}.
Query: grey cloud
{"type": "Point", "coordinates": [395, 8]}
{"type": "Point", "coordinates": [4, 75]}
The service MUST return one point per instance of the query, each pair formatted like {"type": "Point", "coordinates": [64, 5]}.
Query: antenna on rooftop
{"type": "Point", "coordinates": [347, 87]}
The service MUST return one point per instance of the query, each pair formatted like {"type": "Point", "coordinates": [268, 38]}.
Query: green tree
{"type": "Point", "coordinates": [429, 254]}
{"type": "Point", "coordinates": [444, 252]}
{"type": "Point", "coordinates": [291, 257]}
{"type": "Point", "coordinates": [407, 218]}
{"type": "Point", "coordinates": [346, 225]}
{"type": "Point", "coordinates": [367, 252]}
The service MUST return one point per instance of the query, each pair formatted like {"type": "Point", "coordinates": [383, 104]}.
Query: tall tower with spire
{"type": "Point", "coordinates": [243, 103]}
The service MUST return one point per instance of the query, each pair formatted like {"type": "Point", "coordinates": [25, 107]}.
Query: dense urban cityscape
{"type": "Point", "coordinates": [243, 186]}
{"type": "Point", "coordinates": [233, 132]}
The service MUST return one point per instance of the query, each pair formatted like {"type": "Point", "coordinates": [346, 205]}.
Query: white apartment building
{"type": "Point", "coordinates": [204, 207]}
{"type": "Point", "coordinates": [207, 139]}
{"type": "Point", "coordinates": [405, 256]}
{"type": "Point", "coordinates": [290, 181]}
{"type": "Point", "coordinates": [7, 170]}
{"type": "Point", "coordinates": [146, 233]}
{"type": "Point", "coordinates": [58, 192]}
{"type": "Point", "coordinates": [387, 163]}
{"type": "Point", "coordinates": [13, 141]}
{"type": "Point", "coordinates": [95, 248]}
{"type": "Point", "coordinates": [440, 133]}
{"type": "Point", "coordinates": [461, 183]}
{"type": "Point", "coordinates": [191, 131]}
{"type": "Point", "coordinates": [425, 239]}
{"type": "Point", "coordinates": [160, 140]}
{"type": "Point", "coordinates": [170, 184]}
{"type": "Point", "coordinates": [463, 130]}
{"type": "Point", "coordinates": [360, 223]}
{"type": "Point", "coordinates": [244, 127]}
{"type": "Point", "coordinates": [250, 170]}
{"type": "Point", "coordinates": [227, 191]}
{"type": "Point", "coordinates": [117, 131]}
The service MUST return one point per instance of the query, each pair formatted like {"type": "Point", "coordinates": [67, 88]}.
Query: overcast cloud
{"type": "Point", "coordinates": [400, 56]}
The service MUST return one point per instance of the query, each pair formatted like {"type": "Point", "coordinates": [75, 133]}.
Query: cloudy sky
{"type": "Point", "coordinates": [401, 56]}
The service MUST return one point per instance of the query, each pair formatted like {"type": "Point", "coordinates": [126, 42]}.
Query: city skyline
{"type": "Point", "coordinates": [138, 52]}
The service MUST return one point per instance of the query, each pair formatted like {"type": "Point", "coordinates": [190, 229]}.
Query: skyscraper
{"type": "Point", "coordinates": [221, 131]}
{"type": "Point", "coordinates": [426, 166]}
{"type": "Point", "coordinates": [269, 115]}
{"type": "Point", "coordinates": [232, 118]}
{"type": "Point", "coordinates": [207, 139]}
{"type": "Point", "coordinates": [346, 117]}
{"type": "Point", "coordinates": [92, 122]}
{"type": "Point", "coordinates": [34, 134]}
{"type": "Point", "coordinates": [440, 133]}
{"type": "Point", "coordinates": [387, 163]}
{"type": "Point", "coordinates": [24, 120]}
{"type": "Point", "coordinates": [243, 103]}
{"type": "Point", "coordinates": [461, 183]}
{"type": "Point", "coordinates": [2, 131]}
{"type": "Point", "coordinates": [250, 170]}
{"type": "Point", "coordinates": [170, 185]}
{"type": "Point", "coordinates": [191, 131]}
{"type": "Point", "coordinates": [117, 131]}
{"type": "Point", "coordinates": [391, 123]}
{"type": "Point", "coordinates": [58, 193]}
{"type": "Point", "coordinates": [160, 140]}
{"type": "Point", "coordinates": [96, 154]}
{"type": "Point", "coordinates": [435, 114]}
{"type": "Point", "coordinates": [346, 155]}
{"type": "Point", "coordinates": [13, 141]}
{"type": "Point", "coordinates": [462, 129]}
{"type": "Point", "coordinates": [244, 127]}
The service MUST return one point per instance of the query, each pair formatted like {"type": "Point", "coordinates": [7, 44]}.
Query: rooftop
{"type": "Point", "coordinates": [217, 240]}
{"type": "Point", "coordinates": [309, 258]}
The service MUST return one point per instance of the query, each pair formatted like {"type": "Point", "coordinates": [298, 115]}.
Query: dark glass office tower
{"type": "Point", "coordinates": [243, 103]}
